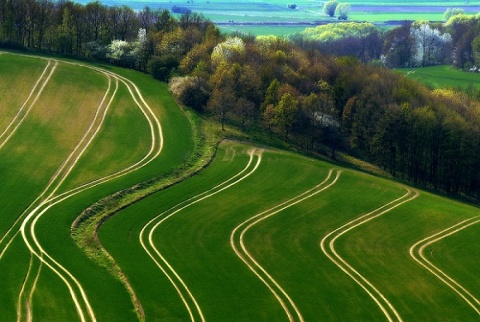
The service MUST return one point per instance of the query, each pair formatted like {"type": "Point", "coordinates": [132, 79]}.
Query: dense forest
{"type": "Point", "coordinates": [327, 87]}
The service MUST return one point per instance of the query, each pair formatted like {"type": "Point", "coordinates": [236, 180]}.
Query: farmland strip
{"type": "Point", "coordinates": [56, 182]}
{"type": "Point", "coordinates": [417, 253]}
{"type": "Point", "coordinates": [155, 150]}
{"type": "Point", "coordinates": [383, 303]}
{"type": "Point", "coordinates": [238, 245]}
{"type": "Point", "coordinates": [62, 173]}
{"type": "Point", "coordinates": [148, 245]}
{"type": "Point", "coordinates": [24, 110]}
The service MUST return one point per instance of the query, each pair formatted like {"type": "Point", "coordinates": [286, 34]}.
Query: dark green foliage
{"type": "Point", "coordinates": [161, 68]}
{"type": "Point", "coordinates": [196, 95]}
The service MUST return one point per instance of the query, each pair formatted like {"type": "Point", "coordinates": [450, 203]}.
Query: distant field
{"type": "Point", "coordinates": [275, 12]}
{"type": "Point", "coordinates": [443, 76]}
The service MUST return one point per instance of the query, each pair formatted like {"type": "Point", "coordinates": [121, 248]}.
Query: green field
{"type": "Point", "coordinates": [259, 235]}
{"type": "Point", "coordinates": [443, 76]}
{"type": "Point", "coordinates": [274, 17]}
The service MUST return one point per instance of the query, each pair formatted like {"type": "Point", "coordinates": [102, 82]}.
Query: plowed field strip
{"type": "Point", "coordinates": [238, 245]}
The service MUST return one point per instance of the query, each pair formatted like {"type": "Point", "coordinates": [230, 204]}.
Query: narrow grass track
{"type": "Point", "coordinates": [47, 198]}
{"type": "Point", "coordinates": [327, 245]}
{"type": "Point", "coordinates": [417, 252]}
{"type": "Point", "coordinates": [148, 244]}
{"type": "Point", "coordinates": [238, 245]}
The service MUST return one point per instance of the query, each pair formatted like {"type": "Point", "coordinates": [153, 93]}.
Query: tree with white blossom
{"type": "Point", "coordinates": [430, 44]}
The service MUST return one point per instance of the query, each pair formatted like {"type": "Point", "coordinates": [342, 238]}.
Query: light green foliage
{"type": "Point", "coordinates": [285, 112]}
{"type": "Point", "coordinates": [459, 19]}
{"type": "Point", "coordinates": [476, 50]}
{"type": "Point", "coordinates": [329, 7]}
{"type": "Point", "coordinates": [342, 10]}
{"type": "Point", "coordinates": [266, 43]}
{"type": "Point", "coordinates": [336, 31]}
{"type": "Point", "coordinates": [452, 12]}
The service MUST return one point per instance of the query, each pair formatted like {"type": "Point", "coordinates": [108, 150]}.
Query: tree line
{"type": "Point", "coordinates": [290, 89]}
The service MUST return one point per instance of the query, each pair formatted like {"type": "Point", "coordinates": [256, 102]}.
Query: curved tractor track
{"type": "Point", "coordinates": [328, 248]}
{"type": "Point", "coordinates": [417, 253]}
{"type": "Point", "coordinates": [26, 222]}
{"type": "Point", "coordinates": [146, 235]}
{"type": "Point", "coordinates": [32, 98]}
{"type": "Point", "coordinates": [238, 245]}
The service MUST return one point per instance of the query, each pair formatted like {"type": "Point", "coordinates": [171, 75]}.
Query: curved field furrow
{"type": "Point", "coordinates": [417, 253]}
{"type": "Point", "coordinates": [237, 243]}
{"type": "Point", "coordinates": [47, 197]}
{"type": "Point", "coordinates": [34, 213]}
{"type": "Point", "coordinates": [29, 103]}
{"type": "Point", "coordinates": [148, 245]}
{"type": "Point", "coordinates": [383, 303]}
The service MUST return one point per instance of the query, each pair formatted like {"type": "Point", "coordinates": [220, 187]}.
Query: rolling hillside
{"type": "Point", "coordinates": [259, 235]}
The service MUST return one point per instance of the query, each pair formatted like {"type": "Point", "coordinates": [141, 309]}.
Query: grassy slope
{"type": "Point", "coordinates": [443, 76]}
{"type": "Point", "coordinates": [126, 127]}
{"type": "Point", "coordinates": [23, 73]}
{"type": "Point", "coordinates": [39, 147]}
{"type": "Point", "coordinates": [287, 244]}
{"type": "Point", "coordinates": [108, 297]}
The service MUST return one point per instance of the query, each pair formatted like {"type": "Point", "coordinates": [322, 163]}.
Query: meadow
{"type": "Point", "coordinates": [258, 234]}
{"type": "Point", "coordinates": [443, 76]}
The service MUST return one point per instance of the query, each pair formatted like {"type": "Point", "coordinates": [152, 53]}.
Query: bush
{"type": "Point", "coordinates": [161, 68]}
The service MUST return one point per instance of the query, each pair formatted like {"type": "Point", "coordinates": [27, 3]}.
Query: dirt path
{"type": "Point", "coordinates": [148, 230]}
{"type": "Point", "coordinates": [383, 303]}
{"type": "Point", "coordinates": [32, 98]}
{"type": "Point", "coordinates": [417, 253]}
{"type": "Point", "coordinates": [238, 245]}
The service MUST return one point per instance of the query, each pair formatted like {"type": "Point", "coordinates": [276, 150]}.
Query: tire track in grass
{"type": "Point", "coordinates": [45, 202]}
{"type": "Point", "coordinates": [238, 245]}
{"type": "Point", "coordinates": [146, 236]}
{"type": "Point", "coordinates": [72, 159]}
{"type": "Point", "coordinates": [155, 150]}
{"type": "Point", "coordinates": [32, 98]}
{"type": "Point", "coordinates": [35, 214]}
{"type": "Point", "coordinates": [327, 245]}
{"type": "Point", "coordinates": [417, 253]}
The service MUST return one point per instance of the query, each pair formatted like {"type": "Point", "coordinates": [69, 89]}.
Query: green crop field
{"type": "Point", "coordinates": [443, 76]}
{"type": "Point", "coordinates": [258, 235]}
{"type": "Point", "coordinates": [275, 17]}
